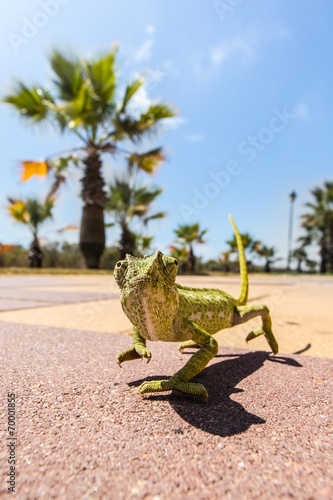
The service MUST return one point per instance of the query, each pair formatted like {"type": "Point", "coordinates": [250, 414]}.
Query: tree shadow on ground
{"type": "Point", "coordinates": [221, 415]}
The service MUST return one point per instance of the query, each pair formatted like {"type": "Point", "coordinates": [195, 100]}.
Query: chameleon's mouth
{"type": "Point", "coordinates": [143, 280]}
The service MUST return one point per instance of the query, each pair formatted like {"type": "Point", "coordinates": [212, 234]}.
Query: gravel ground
{"type": "Point", "coordinates": [83, 432]}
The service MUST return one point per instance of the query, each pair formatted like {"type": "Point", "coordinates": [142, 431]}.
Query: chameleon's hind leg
{"type": "Point", "coordinates": [245, 313]}
{"type": "Point", "coordinates": [197, 362]}
{"type": "Point", "coordinates": [188, 343]}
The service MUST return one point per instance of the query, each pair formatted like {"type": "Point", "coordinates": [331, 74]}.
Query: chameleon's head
{"type": "Point", "coordinates": [157, 267]}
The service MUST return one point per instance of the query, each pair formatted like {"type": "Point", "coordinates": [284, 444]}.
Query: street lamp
{"type": "Point", "coordinates": [292, 198]}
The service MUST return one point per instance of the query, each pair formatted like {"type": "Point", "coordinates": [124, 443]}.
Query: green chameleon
{"type": "Point", "coordinates": [161, 309]}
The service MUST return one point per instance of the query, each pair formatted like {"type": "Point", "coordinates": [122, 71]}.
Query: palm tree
{"type": "Point", "coordinates": [187, 236]}
{"type": "Point", "coordinates": [300, 255]}
{"type": "Point", "coordinates": [126, 202]}
{"type": "Point", "coordinates": [318, 224]}
{"type": "Point", "coordinates": [33, 213]}
{"type": "Point", "coordinates": [85, 99]}
{"type": "Point", "coordinates": [225, 259]}
{"type": "Point", "coordinates": [181, 255]}
{"type": "Point", "coordinates": [267, 253]}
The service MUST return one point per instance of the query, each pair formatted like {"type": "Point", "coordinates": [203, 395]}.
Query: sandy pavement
{"type": "Point", "coordinates": [301, 308]}
{"type": "Point", "coordinates": [83, 432]}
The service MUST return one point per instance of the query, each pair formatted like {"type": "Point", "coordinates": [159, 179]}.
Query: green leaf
{"type": "Point", "coordinates": [69, 74]}
{"type": "Point", "coordinates": [159, 215]}
{"type": "Point", "coordinates": [155, 113]}
{"type": "Point", "coordinates": [131, 89]}
{"type": "Point", "coordinates": [33, 103]}
{"type": "Point", "coordinates": [102, 73]}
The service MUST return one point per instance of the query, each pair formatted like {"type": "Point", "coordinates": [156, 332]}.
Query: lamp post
{"type": "Point", "coordinates": [292, 198]}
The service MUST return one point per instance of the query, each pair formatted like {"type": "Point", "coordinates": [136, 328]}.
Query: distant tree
{"type": "Point", "coordinates": [225, 259]}
{"type": "Point", "coordinates": [318, 224]}
{"type": "Point", "coordinates": [142, 244]}
{"type": "Point", "coordinates": [32, 213]}
{"type": "Point", "coordinates": [300, 256]}
{"type": "Point", "coordinates": [268, 253]}
{"type": "Point", "coordinates": [187, 235]}
{"type": "Point", "coordinates": [126, 202]}
{"type": "Point", "coordinates": [86, 99]}
{"type": "Point", "coordinates": [180, 254]}
{"type": "Point", "coordinates": [4, 249]}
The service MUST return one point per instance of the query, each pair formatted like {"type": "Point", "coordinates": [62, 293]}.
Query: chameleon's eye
{"type": "Point", "coordinates": [170, 267]}
{"type": "Point", "coordinates": [120, 271]}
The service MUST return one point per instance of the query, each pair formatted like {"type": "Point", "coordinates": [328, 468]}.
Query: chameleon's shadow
{"type": "Point", "coordinates": [221, 415]}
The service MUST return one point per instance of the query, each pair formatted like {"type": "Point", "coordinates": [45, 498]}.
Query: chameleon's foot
{"type": "Point", "coordinates": [133, 353]}
{"type": "Point", "coordinates": [269, 337]}
{"type": "Point", "coordinates": [168, 385]}
{"type": "Point", "coordinates": [188, 343]}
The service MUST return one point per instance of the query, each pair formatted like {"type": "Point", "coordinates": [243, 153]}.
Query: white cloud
{"type": "Point", "coordinates": [195, 137]}
{"type": "Point", "coordinates": [143, 53]}
{"type": "Point", "coordinates": [150, 29]}
{"type": "Point", "coordinates": [174, 122]}
{"type": "Point", "coordinates": [224, 50]}
{"type": "Point", "coordinates": [139, 102]}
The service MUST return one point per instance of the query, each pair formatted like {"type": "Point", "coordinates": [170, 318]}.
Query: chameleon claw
{"type": "Point", "coordinates": [167, 385]}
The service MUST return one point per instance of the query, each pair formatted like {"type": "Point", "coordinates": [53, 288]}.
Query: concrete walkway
{"type": "Point", "coordinates": [84, 432]}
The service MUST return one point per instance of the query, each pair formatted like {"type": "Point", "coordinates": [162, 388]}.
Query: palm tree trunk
{"type": "Point", "coordinates": [191, 260]}
{"type": "Point", "coordinates": [92, 231]}
{"type": "Point", "coordinates": [127, 243]}
{"type": "Point", "coordinates": [267, 266]}
{"type": "Point", "coordinates": [35, 254]}
{"type": "Point", "coordinates": [323, 255]}
{"type": "Point", "coordinates": [331, 245]}
{"type": "Point", "coordinates": [299, 266]}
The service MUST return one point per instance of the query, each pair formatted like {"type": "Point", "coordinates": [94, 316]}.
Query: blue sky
{"type": "Point", "coordinates": [253, 85]}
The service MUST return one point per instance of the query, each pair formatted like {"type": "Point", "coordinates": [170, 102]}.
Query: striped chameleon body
{"type": "Point", "coordinates": [162, 310]}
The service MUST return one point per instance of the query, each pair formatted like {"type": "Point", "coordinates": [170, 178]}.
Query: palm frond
{"type": "Point", "coordinates": [18, 210]}
{"type": "Point", "coordinates": [158, 215]}
{"type": "Point", "coordinates": [102, 75]}
{"type": "Point", "coordinates": [155, 113]}
{"type": "Point", "coordinates": [33, 103]}
{"type": "Point", "coordinates": [30, 168]}
{"type": "Point", "coordinates": [69, 74]}
{"type": "Point", "coordinates": [146, 161]}
{"type": "Point", "coordinates": [131, 89]}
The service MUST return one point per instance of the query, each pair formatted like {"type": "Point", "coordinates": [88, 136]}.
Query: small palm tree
{"type": "Point", "coordinates": [85, 100]}
{"type": "Point", "coordinates": [187, 235]}
{"type": "Point", "coordinates": [225, 259]}
{"type": "Point", "coordinates": [318, 224]}
{"type": "Point", "coordinates": [268, 253]}
{"type": "Point", "coordinates": [181, 255]}
{"type": "Point", "coordinates": [126, 203]}
{"type": "Point", "coordinates": [33, 213]}
{"type": "Point", "coordinates": [300, 255]}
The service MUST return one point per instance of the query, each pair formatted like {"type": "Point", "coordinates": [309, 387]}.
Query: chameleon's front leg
{"type": "Point", "coordinates": [180, 380]}
{"type": "Point", "coordinates": [137, 351]}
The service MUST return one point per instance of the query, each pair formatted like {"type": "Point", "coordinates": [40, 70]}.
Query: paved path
{"type": "Point", "coordinates": [301, 308]}
{"type": "Point", "coordinates": [84, 432]}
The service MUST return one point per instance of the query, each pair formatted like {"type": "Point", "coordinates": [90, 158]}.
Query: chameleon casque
{"type": "Point", "coordinates": [162, 310]}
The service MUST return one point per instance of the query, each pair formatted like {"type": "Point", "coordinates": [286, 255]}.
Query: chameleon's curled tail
{"type": "Point", "coordinates": [242, 297]}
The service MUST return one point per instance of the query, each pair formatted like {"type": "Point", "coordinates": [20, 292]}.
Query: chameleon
{"type": "Point", "coordinates": [162, 310]}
